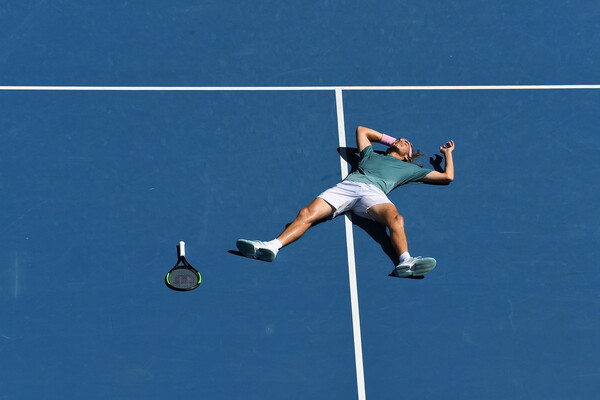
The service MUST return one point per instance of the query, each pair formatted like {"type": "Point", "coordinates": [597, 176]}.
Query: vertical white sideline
{"type": "Point", "coordinates": [360, 376]}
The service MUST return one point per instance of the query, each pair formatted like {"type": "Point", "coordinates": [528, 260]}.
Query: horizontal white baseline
{"type": "Point", "coordinates": [293, 88]}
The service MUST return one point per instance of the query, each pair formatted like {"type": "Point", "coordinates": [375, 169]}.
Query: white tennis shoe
{"type": "Point", "coordinates": [414, 266]}
{"type": "Point", "coordinates": [257, 249]}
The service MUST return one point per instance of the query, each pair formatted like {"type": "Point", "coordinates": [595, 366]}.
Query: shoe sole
{"type": "Point", "coordinates": [423, 266]}
{"type": "Point", "coordinates": [402, 272]}
{"type": "Point", "coordinates": [265, 254]}
{"type": "Point", "coordinates": [246, 248]}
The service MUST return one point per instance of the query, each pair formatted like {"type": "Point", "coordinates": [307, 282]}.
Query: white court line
{"type": "Point", "coordinates": [293, 88]}
{"type": "Point", "coordinates": [358, 357]}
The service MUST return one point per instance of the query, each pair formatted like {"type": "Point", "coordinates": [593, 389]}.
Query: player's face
{"type": "Point", "coordinates": [402, 146]}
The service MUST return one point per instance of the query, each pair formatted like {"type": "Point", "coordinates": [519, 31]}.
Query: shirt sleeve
{"type": "Point", "coordinates": [420, 173]}
{"type": "Point", "coordinates": [367, 151]}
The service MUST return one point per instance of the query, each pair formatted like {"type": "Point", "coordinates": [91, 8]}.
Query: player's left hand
{"type": "Point", "coordinates": [448, 147]}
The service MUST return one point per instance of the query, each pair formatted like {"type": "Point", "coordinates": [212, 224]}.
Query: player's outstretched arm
{"type": "Point", "coordinates": [366, 136]}
{"type": "Point", "coordinates": [443, 178]}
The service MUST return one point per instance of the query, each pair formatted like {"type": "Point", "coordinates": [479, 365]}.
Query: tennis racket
{"type": "Point", "coordinates": [182, 276]}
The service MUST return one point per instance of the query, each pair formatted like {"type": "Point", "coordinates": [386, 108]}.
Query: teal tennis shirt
{"type": "Point", "coordinates": [385, 172]}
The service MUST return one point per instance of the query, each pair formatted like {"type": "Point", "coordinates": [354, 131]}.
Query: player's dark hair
{"type": "Point", "coordinates": [416, 154]}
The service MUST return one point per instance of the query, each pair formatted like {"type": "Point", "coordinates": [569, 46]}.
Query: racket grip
{"type": "Point", "coordinates": [181, 249]}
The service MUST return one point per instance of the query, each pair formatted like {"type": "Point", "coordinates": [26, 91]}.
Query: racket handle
{"type": "Point", "coordinates": [182, 249]}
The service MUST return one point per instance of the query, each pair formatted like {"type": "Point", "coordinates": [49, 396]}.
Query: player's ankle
{"type": "Point", "coordinates": [404, 257]}
{"type": "Point", "coordinates": [275, 243]}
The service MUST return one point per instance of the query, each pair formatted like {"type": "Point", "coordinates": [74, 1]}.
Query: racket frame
{"type": "Point", "coordinates": [182, 263]}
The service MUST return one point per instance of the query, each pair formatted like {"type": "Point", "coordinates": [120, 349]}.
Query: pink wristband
{"type": "Point", "coordinates": [387, 140]}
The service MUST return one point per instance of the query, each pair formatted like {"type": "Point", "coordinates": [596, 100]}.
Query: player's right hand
{"type": "Point", "coordinates": [448, 147]}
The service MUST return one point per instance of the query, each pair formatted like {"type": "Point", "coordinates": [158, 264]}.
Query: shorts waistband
{"type": "Point", "coordinates": [370, 186]}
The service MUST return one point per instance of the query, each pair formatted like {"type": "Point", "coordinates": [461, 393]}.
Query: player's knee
{"type": "Point", "coordinates": [305, 215]}
{"type": "Point", "coordinates": [396, 222]}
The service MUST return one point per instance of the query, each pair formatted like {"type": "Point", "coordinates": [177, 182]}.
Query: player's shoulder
{"type": "Point", "coordinates": [367, 150]}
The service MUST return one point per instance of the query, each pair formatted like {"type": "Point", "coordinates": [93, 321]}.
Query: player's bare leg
{"type": "Point", "coordinates": [409, 266]}
{"type": "Point", "coordinates": [388, 215]}
{"type": "Point", "coordinates": [316, 211]}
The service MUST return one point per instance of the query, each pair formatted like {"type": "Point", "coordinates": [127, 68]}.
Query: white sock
{"type": "Point", "coordinates": [404, 256]}
{"type": "Point", "coordinates": [275, 243]}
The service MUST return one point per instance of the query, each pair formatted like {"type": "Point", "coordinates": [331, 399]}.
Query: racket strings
{"type": "Point", "coordinates": [183, 278]}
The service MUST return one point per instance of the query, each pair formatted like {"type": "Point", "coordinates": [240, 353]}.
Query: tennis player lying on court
{"type": "Point", "coordinates": [364, 192]}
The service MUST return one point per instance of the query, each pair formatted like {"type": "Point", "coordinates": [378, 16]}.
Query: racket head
{"type": "Point", "coordinates": [183, 278]}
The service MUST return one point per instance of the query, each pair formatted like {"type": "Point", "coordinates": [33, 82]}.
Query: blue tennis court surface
{"type": "Point", "coordinates": [99, 186]}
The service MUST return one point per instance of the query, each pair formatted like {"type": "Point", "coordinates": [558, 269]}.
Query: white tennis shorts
{"type": "Point", "coordinates": [357, 197]}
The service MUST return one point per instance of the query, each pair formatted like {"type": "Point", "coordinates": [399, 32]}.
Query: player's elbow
{"type": "Point", "coordinates": [363, 135]}
{"type": "Point", "coordinates": [439, 178]}
{"type": "Point", "coordinates": [446, 180]}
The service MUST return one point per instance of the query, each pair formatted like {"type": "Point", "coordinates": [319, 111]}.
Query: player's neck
{"type": "Point", "coordinates": [397, 155]}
